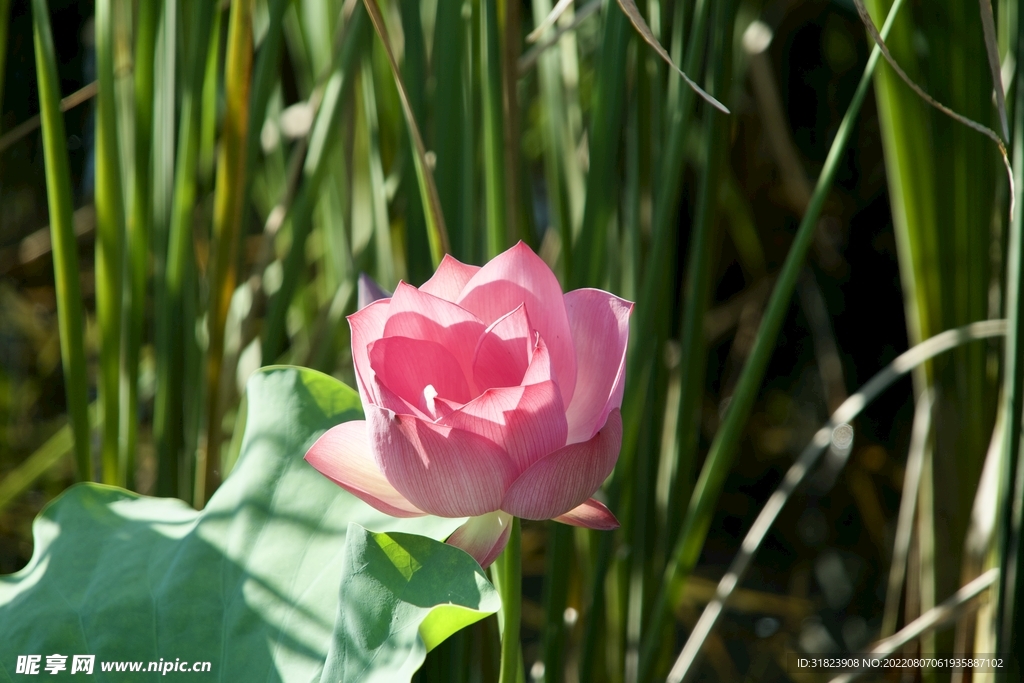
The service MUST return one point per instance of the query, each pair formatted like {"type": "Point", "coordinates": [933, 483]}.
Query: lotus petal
{"type": "Point", "coordinates": [527, 422]}
{"type": "Point", "coordinates": [591, 514]}
{"type": "Point", "coordinates": [367, 325]}
{"type": "Point", "coordinates": [450, 279]}
{"type": "Point", "coordinates": [441, 470]}
{"type": "Point", "coordinates": [515, 277]}
{"type": "Point", "coordinates": [409, 366]}
{"type": "Point", "coordinates": [343, 455]}
{"type": "Point", "coordinates": [484, 536]}
{"type": "Point", "coordinates": [600, 330]}
{"type": "Point", "coordinates": [503, 351]}
{"type": "Point", "coordinates": [417, 315]}
{"type": "Point", "coordinates": [568, 477]}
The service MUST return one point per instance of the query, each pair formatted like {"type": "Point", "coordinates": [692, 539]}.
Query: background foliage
{"type": "Point", "coordinates": [210, 210]}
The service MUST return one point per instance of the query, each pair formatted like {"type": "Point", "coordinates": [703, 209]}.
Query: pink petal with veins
{"type": "Point", "coordinates": [343, 455]}
{"type": "Point", "coordinates": [418, 315]}
{"type": "Point", "coordinates": [367, 325]}
{"type": "Point", "coordinates": [441, 470]}
{"type": "Point", "coordinates": [527, 422]}
{"type": "Point", "coordinates": [449, 279]}
{"type": "Point", "coordinates": [408, 366]}
{"type": "Point", "coordinates": [600, 330]}
{"type": "Point", "coordinates": [591, 514]}
{"type": "Point", "coordinates": [483, 537]}
{"type": "Point", "coordinates": [503, 351]}
{"type": "Point", "coordinates": [568, 477]}
{"type": "Point", "coordinates": [518, 276]}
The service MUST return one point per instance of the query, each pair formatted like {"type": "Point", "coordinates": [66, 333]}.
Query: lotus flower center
{"type": "Point", "coordinates": [429, 394]}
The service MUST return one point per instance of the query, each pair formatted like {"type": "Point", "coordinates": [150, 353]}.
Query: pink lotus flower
{"type": "Point", "coordinates": [487, 394]}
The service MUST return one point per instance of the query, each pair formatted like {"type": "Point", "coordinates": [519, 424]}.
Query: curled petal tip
{"type": "Point", "coordinates": [591, 514]}
{"type": "Point", "coordinates": [484, 536]}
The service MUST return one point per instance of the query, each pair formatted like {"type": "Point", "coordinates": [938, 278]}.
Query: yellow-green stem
{"type": "Point", "coordinates": [110, 232]}
{"type": "Point", "coordinates": [509, 570]}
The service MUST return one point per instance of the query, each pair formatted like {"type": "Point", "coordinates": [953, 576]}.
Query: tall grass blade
{"type": "Point", "coordinates": [557, 153]}
{"type": "Point", "coordinates": [637, 19]}
{"type": "Point", "coordinates": [418, 256]}
{"type": "Point", "coordinates": [960, 118]}
{"type": "Point", "coordinates": [166, 430]}
{"type": "Point", "coordinates": [450, 58]}
{"type": "Point", "coordinates": [436, 230]}
{"type": "Point", "coordinates": [139, 230]}
{"type": "Point", "coordinates": [908, 507]}
{"type": "Point", "coordinates": [953, 608]}
{"type": "Point", "coordinates": [60, 200]}
{"type": "Point", "coordinates": [110, 237]}
{"type": "Point", "coordinates": [323, 137]}
{"type": "Point", "coordinates": [591, 246]}
{"type": "Point", "coordinates": [28, 472]}
{"type": "Point", "coordinates": [1010, 548]}
{"type": "Point", "coordinates": [988, 25]}
{"type": "Point", "coordinates": [943, 183]}
{"type": "Point", "coordinates": [177, 334]}
{"type": "Point", "coordinates": [377, 199]}
{"type": "Point", "coordinates": [495, 228]}
{"type": "Point", "coordinates": [232, 180]}
{"type": "Point", "coordinates": [723, 448]}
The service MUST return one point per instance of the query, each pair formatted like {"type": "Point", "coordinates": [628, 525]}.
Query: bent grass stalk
{"type": "Point", "coordinates": [798, 472]}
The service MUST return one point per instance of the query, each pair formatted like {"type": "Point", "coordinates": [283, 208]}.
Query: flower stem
{"type": "Point", "coordinates": [510, 585]}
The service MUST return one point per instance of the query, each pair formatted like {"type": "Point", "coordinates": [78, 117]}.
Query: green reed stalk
{"type": "Point", "coordinates": [723, 448]}
{"type": "Point", "coordinates": [590, 248]}
{"type": "Point", "coordinates": [1009, 550]}
{"type": "Point", "coordinates": [496, 228]}
{"type": "Point", "coordinates": [326, 131]}
{"type": "Point", "coordinates": [139, 227]}
{"type": "Point", "coordinates": [60, 200]}
{"type": "Point", "coordinates": [227, 220]}
{"type": "Point", "coordinates": [176, 333]}
{"type": "Point", "coordinates": [509, 582]}
{"type": "Point", "coordinates": [110, 237]}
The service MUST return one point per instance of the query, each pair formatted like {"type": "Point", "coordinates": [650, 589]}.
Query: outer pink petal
{"type": "Point", "coordinates": [528, 422]}
{"type": "Point", "coordinates": [443, 471]}
{"type": "Point", "coordinates": [503, 351]}
{"type": "Point", "coordinates": [518, 276]}
{"type": "Point", "coordinates": [407, 366]}
{"type": "Point", "coordinates": [449, 280]}
{"type": "Point", "coordinates": [343, 455]}
{"type": "Point", "coordinates": [567, 477]}
{"type": "Point", "coordinates": [483, 537]}
{"type": "Point", "coordinates": [419, 315]}
{"type": "Point", "coordinates": [600, 330]}
{"type": "Point", "coordinates": [367, 325]}
{"type": "Point", "coordinates": [591, 514]}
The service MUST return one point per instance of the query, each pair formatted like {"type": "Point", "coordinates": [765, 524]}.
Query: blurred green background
{"type": "Point", "coordinates": [211, 209]}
